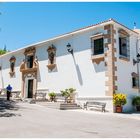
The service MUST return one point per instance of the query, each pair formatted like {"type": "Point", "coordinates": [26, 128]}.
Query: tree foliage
{"type": "Point", "coordinates": [3, 51]}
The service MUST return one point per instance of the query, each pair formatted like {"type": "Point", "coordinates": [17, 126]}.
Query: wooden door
{"type": "Point", "coordinates": [30, 88]}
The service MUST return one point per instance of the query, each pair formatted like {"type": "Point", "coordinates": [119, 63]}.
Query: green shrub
{"type": "Point", "coordinates": [67, 92]}
{"type": "Point", "coordinates": [72, 90]}
{"type": "Point", "coordinates": [52, 95]}
{"type": "Point", "coordinates": [136, 101]}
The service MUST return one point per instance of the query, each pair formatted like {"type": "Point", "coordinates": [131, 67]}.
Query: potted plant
{"type": "Point", "coordinates": [68, 94]}
{"type": "Point", "coordinates": [136, 102]}
{"type": "Point", "coordinates": [72, 94]}
{"type": "Point", "coordinates": [52, 96]}
{"type": "Point", "coordinates": [119, 100]}
{"type": "Point", "coordinates": [65, 93]}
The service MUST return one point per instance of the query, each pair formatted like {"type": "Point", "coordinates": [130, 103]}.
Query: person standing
{"type": "Point", "coordinates": [9, 89]}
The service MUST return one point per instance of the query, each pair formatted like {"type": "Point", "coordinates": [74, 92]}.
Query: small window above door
{"type": "Point", "coordinates": [30, 60]}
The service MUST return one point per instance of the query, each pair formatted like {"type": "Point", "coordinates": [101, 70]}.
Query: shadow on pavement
{"type": "Point", "coordinates": [134, 112]}
{"type": "Point", "coordinates": [6, 107]}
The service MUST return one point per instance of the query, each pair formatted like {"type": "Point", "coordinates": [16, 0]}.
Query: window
{"type": "Point", "coordinates": [30, 60]}
{"type": "Point", "coordinates": [51, 54]}
{"type": "Point", "coordinates": [12, 66]}
{"type": "Point", "coordinates": [98, 46]}
{"type": "Point", "coordinates": [30, 63]}
{"type": "Point", "coordinates": [135, 82]}
{"type": "Point", "coordinates": [51, 57]}
{"type": "Point", "coordinates": [124, 48]}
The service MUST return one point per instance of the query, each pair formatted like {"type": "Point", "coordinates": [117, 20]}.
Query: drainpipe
{"type": "Point", "coordinates": [2, 83]}
{"type": "Point", "coordinates": [137, 51]}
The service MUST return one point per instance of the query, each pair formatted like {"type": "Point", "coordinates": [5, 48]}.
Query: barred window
{"type": "Point", "coordinates": [124, 48]}
{"type": "Point", "coordinates": [98, 46]}
{"type": "Point", "coordinates": [12, 66]}
{"type": "Point", "coordinates": [30, 60]}
{"type": "Point", "coordinates": [135, 82]}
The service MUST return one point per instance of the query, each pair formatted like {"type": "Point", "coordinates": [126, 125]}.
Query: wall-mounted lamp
{"type": "Point", "coordinates": [69, 48]}
{"type": "Point", "coordinates": [138, 59]}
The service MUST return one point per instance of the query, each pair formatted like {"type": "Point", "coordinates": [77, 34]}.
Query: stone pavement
{"type": "Point", "coordinates": [132, 115]}
{"type": "Point", "coordinates": [38, 121]}
{"type": "Point", "coordinates": [6, 106]}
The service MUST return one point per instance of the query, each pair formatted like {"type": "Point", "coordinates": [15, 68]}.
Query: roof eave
{"type": "Point", "coordinates": [110, 21]}
{"type": "Point", "coordinates": [60, 37]}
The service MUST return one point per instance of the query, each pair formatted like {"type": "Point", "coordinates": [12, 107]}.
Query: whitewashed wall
{"type": "Point", "coordinates": [78, 72]}
{"type": "Point", "coordinates": [5, 78]}
{"type": "Point", "coordinates": [124, 70]}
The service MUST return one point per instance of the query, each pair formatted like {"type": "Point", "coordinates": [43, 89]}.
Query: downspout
{"type": "Point", "coordinates": [2, 83]}
{"type": "Point", "coordinates": [137, 51]}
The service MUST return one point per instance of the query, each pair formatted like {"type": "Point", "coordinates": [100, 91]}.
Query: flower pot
{"type": "Point", "coordinates": [52, 99]}
{"type": "Point", "coordinates": [138, 108]}
{"type": "Point", "coordinates": [119, 109]}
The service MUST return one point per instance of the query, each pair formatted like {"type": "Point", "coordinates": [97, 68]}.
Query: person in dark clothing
{"type": "Point", "coordinates": [9, 89]}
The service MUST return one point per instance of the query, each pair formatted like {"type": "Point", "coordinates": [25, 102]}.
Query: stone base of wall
{"type": "Point", "coordinates": [16, 95]}
{"type": "Point", "coordinates": [129, 107]}
{"type": "Point", "coordinates": [108, 100]}
{"type": "Point", "coordinates": [42, 94]}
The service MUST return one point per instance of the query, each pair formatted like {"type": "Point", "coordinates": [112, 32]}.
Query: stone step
{"type": "Point", "coordinates": [61, 106]}
{"type": "Point", "coordinates": [69, 108]}
{"type": "Point", "coordinates": [29, 100]}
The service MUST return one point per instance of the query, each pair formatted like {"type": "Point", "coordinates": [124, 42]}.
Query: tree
{"type": "Point", "coordinates": [5, 48]}
{"type": "Point", "coordinates": [3, 51]}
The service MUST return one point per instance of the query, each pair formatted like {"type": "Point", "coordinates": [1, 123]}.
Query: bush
{"type": "Point", "coordinates": [136, 101]}
{"type": "Point", "coordinates": [67, 92]}
{"type": "Point", "coordinates": [52, 94]}
{"type": "Point", "coordinates": [119, 99]}
{"type": "Point", "coordinates": [72, 90]}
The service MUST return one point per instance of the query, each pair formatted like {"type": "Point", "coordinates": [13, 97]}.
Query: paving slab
{"type": "Point", "coordinates": [38, 121]}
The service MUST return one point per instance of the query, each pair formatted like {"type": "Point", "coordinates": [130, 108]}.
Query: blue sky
{"type": "Point", "coordinates": [26, 23]}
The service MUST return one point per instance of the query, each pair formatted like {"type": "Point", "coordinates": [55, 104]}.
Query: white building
{"type": "Point", "coordinates": [102, 63]}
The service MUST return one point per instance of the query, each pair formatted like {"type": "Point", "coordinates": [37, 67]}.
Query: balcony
{"type": "Point", "coordinates": [12, 73]}
{"type": "Point", "coordinates": [51, 66]}
{"type": "Point", "coordinates": [97, 58]}
{"type": "Point", "coordinates": [25, 69]}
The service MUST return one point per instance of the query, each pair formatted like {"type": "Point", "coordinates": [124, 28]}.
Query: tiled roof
{"type": "Point", "coordinates": [111, 19]}
{"type": "Point", "coordinates": [90, 26]}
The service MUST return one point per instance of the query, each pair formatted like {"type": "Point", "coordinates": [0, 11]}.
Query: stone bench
{"type": "Point", "coordinates": [16, 95]}
{"type": "Point", "coordinates": [41, 94]}
{"type": "Point", "coordinates": [93, 104]}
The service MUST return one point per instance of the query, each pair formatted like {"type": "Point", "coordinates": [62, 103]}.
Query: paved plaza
{"type": "Point", "coordinates": [24, 120]}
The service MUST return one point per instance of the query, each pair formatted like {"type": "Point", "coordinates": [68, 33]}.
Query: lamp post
{"type": "Point", "coordinates": [69, 48]}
